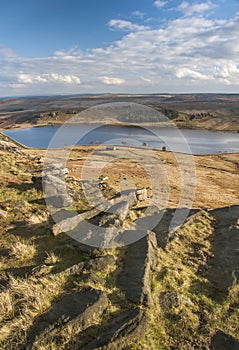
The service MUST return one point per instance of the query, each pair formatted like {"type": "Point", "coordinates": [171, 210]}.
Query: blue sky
{"type": "Point", "coordinates": [131, 46]}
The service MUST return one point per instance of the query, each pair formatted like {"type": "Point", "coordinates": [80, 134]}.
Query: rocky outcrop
{"type": "Point", "coordinates": [93, 190]}
{"type": "Point", "coordinates": [79, 306]}
{"type": "Point", "coordinates": [115, 215]}
{"type": "Point", "coordinates": [70, 224]}
{"type": "Point", "coordinates": [109, 214]}
{"type": "Point", "coordinates": [223, 341]}
{"type": "Point", "coordinates": [58, 193]}
{"type": "Point", "coordinates": [224, 265]}
{"type": "Point", "coordinates": [139, 261]}
{"type": "Point", "coordinates": [92, 265]}
{"type": "Point", "coordinates": [117, 334]}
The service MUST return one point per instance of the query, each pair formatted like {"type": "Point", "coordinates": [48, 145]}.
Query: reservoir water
{"type": "Point", "coordinates": [173, 139]}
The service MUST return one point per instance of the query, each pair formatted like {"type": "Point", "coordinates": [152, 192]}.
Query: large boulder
{"type": "Point", "coordinates": [108, 214]}
{"type": "Point", "coordinates": [129, 326]}
{"type": "Point", "coordinates": [54, 186]}
{"type": "Point", "coordinates": [115, 215]}
{"type": "Point", "coordinates": [139, 261]}
{"type": "Point", "coordinates": [70, 224]}
{"type": "Point", "coordinates": [80, 306]}
{"type": "Point", "coordinates": [223, 269]}
{"type": "Point", "coordinates": [223, 341]}
{"type": "Point", "coordinates": [56, 169]}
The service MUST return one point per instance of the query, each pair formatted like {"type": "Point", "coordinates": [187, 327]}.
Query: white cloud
{"type": "Point", "coordinates": [125, 25]}
{"type": "Point", "coordinates": [189, 73]}
{"type": "Point", "coordinates": [146, 79]}
{"type": "Point", "coordinates": [138, 14]}
{"type": "Point", "coordinates": [112, 81]}
{"type": "Point", "coordinates": [25, 79]}
{"type": "Point", "coordinates": [7, 52]}
{"type": "Point", "coordinates": [160, 3]}
{"type": "Point", "coordinates": [68, 79]}
{"type": "Point", "coordinates": [196, 8]}
{"type": "Point", "coordinates": [227, 72]}
{"type": "Point", "coordinates": [188, 53]}
{"type": "Point", "coordinates": [48, 78]}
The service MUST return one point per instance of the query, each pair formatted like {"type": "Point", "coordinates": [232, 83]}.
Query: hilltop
{"type": "Point", "coordinates": [169, 290]}
{"type": "Point", "coordinates": [203, 111]}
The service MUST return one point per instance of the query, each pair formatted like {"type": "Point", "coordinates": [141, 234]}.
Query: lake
{"type": "Point", "coordinates": [183, 140]}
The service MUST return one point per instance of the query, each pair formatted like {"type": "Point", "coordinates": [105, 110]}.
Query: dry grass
{"type": "Point", "coordinates": [6, 305]}
{"type": "Point", "coordinates": [23, 250]}
{"type": "Point", "coordinates": [185, 314]}
{"type": "Point", "coordinates": [22, 302]}
{"type": "Point", "coordinates": [51, 258]}
{"type": "Point", "coordinates": [216, 175]}
{"type": "Point", "coordinates": [177, 326]}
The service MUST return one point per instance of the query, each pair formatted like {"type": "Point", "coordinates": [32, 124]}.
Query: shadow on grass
{"type": "Point", "coordinates": [222, 270]}
{"type": "Point", "coordinates": [64, 247]}
{"type": "Point", "coordinates": [21, 187]}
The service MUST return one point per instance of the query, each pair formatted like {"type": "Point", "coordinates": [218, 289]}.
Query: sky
{"type": "Point", "coordinates": [53, 47]}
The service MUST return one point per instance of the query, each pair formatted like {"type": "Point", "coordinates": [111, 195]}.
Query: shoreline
{"type": "Point", "coordinates": [90, 147]}
{"type": "Point", "coordinates": [110, 123]}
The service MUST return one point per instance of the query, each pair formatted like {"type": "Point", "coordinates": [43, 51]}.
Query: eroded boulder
{"type": "Point", "coordinates": [79, 306]}
{"type": "Point", "coordinates": [223, 341]}
{"type": "Point", "coordinates": [139, 261]}
{"type": "Point", "coordinates": [118, 333]}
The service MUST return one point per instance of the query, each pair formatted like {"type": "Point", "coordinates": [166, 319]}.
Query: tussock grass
{"type": "Point", "coordinates": [6, 305]}
{"type": "Point", "coordinates": [51, 258]}
{"type": "Point", "coordinates": [22, 302]}
{"type": "Point", "coordinates": [22, 250]}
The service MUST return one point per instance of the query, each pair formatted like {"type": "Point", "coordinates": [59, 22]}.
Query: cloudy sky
{"type": "Point", "coordinates": [130, 46]}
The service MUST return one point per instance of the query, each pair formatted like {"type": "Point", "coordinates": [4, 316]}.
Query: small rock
{"type": "Point", "coordinates": [100, 263]}
{"type": "Point", "coordinates": [93, 278]}
{"type": "Point", "coordinates": [75, 270]}
{"type": "Point", "coordinates": [141, 194]}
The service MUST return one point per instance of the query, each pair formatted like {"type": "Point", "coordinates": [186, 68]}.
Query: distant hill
{"type": "Point", "coordinates": [204, 111]}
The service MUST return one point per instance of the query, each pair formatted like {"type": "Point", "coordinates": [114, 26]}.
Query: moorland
{"type": "Point", "coordinates": [171, 289]}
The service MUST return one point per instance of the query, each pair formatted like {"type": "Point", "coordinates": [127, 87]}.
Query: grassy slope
{"type": "Point", "coordinates": [186, 313]}
{"type": "Point", "coordinates": [188, 309]}
{"type": "Point", "coordinates": [27, 245]}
